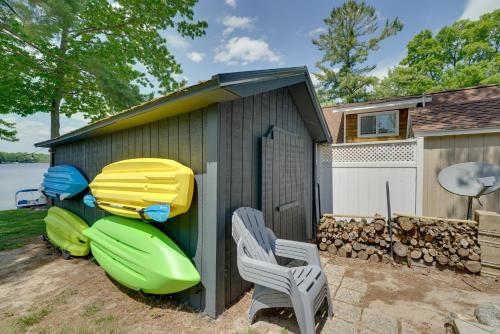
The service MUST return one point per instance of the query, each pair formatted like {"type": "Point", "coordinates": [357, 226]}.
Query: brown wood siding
{"type": "Point", "coordinates": [243, 123]}
{"type": "Point", "coordinates": [181, 138]}
{"type": "Point", "coordinates": [441, 152]}
{"type": "Point", "coordinates": [352, 129]}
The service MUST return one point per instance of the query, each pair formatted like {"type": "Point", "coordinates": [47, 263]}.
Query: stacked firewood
{"type": "Point", "coordinates": [416, 240]}
{"type": "Point", "coordinates": [367, 240]}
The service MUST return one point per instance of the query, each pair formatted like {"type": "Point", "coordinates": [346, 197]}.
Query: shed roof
{"type": "Point", "coordinates": [221, 87]}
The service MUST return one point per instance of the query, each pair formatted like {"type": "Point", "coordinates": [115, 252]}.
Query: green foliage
{"type": "Point", "coordinates": [7, 131]}
{"type": "Point", "coordinates": [353, 32]}
{"type": "Point", "coordinates": [463, 54]}
{"type": "Point", "coordinates": [9, 157]}
{"type": "Point", "coordinates": [83, 56]}
{"type": "Point", "coordinates": [18, 227]}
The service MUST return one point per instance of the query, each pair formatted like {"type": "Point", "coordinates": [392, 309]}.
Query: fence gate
{"type": "Point", "coordinates": [352, 177]}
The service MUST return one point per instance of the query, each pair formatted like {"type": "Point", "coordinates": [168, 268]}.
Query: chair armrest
{"type": "Point", "coordinates": [267, 274]}
{"type": "Point", "coordinates": [298, 250]}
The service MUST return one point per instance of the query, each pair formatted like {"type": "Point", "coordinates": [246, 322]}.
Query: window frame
{"type": "Point", "coordinates": [376, 114]}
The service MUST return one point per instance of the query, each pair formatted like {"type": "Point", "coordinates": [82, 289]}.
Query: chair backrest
{"type": "Point", "coordinates": [248, 226]}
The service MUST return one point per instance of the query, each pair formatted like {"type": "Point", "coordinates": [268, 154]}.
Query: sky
{"type": "Point", "coordinates": [258, 34]}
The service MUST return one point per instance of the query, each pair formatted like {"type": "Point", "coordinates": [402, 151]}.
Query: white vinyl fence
{"type": "Point", "coordinates": [352, 177]}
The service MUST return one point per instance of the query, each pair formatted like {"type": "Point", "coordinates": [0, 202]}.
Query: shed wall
{"type": "Point", "coordinates": [441, 152]}
{"type": "Point", "coordinates": [243, 123]}
{"type": "Point", "coordinates": [182, 138]}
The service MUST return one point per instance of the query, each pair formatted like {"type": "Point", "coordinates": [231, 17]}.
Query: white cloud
{"type": "Point", "coordinates": [383, 66]}
{"type": "Point", "coordinates": [315, 80]}
{"type": "Point", "coordinates": [232, 23]}
{"type": "Point", "coordinates": [195, 56]}
{"type": "Point", "coordinates": [176, 41]}
{"type": "Point", "coordinates": [231, 3]}
{"type": "Point", "coordinates": [316, 31]}
{"type": "Point", "coordinates": [475, 8]}
{"type": "Point", "coordinates": [36, 128]}
{"type": "Point", "coordinates": [245, 50]}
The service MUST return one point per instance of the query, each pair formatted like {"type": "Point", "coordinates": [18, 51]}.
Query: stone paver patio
{"type": "Point", "coordinates": [381, 298]}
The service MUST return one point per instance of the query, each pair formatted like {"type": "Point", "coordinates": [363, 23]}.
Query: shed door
{"type": "Point", "coordinates": [283, 184]}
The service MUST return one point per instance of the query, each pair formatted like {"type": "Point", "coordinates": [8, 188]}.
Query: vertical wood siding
{"type": "Point", "coordinates": [181, 138]}
{"type": "Point", "coordinates": [441, 152]}
{"type": "Point", "coordinates": [243, 123]}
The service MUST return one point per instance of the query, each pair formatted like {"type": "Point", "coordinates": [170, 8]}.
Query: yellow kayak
{"type": "Point", "coordinates": [64, 230]}
{"type": "Point", "coordinates": [140, 183]}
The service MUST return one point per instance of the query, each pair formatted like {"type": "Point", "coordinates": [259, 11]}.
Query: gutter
{"type": "Point", "coordinates": [410, 103]}
{"type": "Point", "coordinates": [439, 133]}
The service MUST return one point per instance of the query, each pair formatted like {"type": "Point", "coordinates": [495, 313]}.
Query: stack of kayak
{"type": "Point", "coordinates": [64, 228]}
{"type": "Point", "coordinates": [137, 192]}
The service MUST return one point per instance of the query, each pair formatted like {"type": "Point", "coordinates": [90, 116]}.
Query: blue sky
{"type": "Point", "coordinates": [257, 34]}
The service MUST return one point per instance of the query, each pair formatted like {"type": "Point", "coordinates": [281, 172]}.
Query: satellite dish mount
{"type": "Point", "coordinates": [472, 179]}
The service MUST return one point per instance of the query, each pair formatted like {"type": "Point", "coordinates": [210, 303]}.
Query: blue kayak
{"type": "Point", "coordinates": [63, 181]}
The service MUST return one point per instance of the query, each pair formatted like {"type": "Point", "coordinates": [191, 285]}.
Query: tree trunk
{"type": "Point", "coordinates": [54, 118]}
{"type": "Point", "coordinates": [59, 88]}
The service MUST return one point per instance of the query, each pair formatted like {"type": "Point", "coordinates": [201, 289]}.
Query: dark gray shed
{"type": "Point", "coordinates": [249, 138]}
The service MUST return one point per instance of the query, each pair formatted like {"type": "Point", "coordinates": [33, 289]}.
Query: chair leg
{"type": "Point", "coordinates": [329, 301]}
{"type": "Point", "coordinates": [263, 298]}
{"type": "Point", "coordinates": [255, 307]}
{"type": "Point", "coordinates": [304, 312]}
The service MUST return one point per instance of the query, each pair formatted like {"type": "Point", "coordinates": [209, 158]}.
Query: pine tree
{"type": "Point", "coordinates": [352, 33]}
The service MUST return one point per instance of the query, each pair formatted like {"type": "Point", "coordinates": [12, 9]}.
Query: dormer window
{"type": "Point", "coordinates": [378, 124]}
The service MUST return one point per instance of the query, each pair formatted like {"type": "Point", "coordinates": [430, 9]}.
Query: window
{"type": "Point", "coordinates": [378, 124]}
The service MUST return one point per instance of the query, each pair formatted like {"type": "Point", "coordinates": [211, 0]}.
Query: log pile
{"type": "Point", "coordinates": [415, 240]}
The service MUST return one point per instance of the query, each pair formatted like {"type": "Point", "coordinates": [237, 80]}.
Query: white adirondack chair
{"type": "Point", "coordinates": [303, 288]}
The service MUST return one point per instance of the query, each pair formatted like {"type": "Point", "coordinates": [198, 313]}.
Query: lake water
{"type": "Point", "coordinates": [14, 177]}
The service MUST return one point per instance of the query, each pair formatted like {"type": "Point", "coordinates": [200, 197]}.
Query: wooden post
{"type": "Point", "coordinates": [213, 229]}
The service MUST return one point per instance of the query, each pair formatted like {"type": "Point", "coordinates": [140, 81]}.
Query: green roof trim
{"type": "Point", "coordinates": [221, 87]}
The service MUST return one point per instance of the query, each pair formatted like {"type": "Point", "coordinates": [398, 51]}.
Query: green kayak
{"type": "Point", "coordinates": [140, 256]}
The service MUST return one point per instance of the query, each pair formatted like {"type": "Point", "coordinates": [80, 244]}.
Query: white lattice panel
{"type": "Point", "coordinates": [383, 152]}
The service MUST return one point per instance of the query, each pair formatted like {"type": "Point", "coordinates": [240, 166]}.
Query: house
{"type": "Point", "coordinates": [408, 141]}
{"type": "Point", "coordinates": [250, 139]}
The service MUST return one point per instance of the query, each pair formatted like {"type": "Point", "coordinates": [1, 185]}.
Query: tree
{"type": "Point", "coordinates": [7, 131]}
{"type": "Point", "coordinates": [463, 54]}
{"type": "Point", "coordinates": [352, 33]}
{"type": "Point", "coordinates": [69, 56]}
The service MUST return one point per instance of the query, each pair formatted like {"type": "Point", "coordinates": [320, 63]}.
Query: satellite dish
{"type": "Point", "coordinates": [472, 179]}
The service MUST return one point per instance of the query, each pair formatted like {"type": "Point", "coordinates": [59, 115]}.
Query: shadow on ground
{"type": "Point", "coordinates": [19, 262]}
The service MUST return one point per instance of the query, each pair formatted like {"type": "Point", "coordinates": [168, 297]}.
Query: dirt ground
{"type": "Point", "coordinates": [42, 293]}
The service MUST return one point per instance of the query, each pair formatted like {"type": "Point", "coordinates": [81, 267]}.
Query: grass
{"type": "Point", "coordinates": [18, 227]}
{"type": "Point", "coordinates": [33, 318]}
{"type": "Point", "coordinates": [92, 309]}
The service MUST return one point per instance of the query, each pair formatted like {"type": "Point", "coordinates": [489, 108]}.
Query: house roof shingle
{"type": "Point", "coordinates": [440, 97]}
{"type": "Point", "coordinates": [476, 114]}
{"type": "Point", "coordinates": [335, 121]}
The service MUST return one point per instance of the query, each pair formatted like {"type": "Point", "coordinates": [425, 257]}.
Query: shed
{"type": "Point", "coordinates": [249, 138]}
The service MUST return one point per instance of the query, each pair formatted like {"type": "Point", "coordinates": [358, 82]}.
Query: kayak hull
{"type": "Point", "coordinates": [63, 181]}
{"type": "Point", "coordinates": [64, 230]}
{"type": "Point", "coordinates": [140, 257]}
{"type": "Point", "coordinates": [139, 183]}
